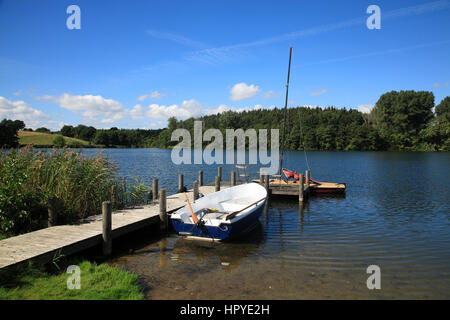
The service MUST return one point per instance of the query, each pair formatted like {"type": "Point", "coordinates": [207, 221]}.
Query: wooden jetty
{"type": "Point", "coordinates": [278, 186]}
{"type": "Point", "coordinates": [45, 245]}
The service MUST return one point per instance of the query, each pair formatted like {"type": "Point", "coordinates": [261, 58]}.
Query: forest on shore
{"type": "Point", "coordinates": [404, 120]}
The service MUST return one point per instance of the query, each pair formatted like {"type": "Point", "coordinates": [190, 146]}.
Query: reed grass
{"type": "Point", "coordinates": [71, 183]}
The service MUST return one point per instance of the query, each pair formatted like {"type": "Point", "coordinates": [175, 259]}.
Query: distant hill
{"type": "Point", "coordinates": [40, 139]}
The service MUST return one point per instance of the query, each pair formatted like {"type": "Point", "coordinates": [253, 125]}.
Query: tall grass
{"type": "Point", "coordinates": [71, 183]}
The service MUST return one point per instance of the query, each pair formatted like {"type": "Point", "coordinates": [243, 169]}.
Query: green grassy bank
{"type": "Point", "coordinates": [47, 140]}
{"type": "Point", "coordinates": [97, 282]}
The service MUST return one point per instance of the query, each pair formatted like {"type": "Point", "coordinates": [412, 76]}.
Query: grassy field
{"type": "Point", "coordinates": [97, 282]}
{"type": "Point", "coordinates": [46, 139]}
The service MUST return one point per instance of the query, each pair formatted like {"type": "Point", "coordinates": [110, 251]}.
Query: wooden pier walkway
{"type": "Point", "coordinates": [44, 245]}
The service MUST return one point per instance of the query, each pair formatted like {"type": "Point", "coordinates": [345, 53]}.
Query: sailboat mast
{"type": "Point", "coordinates": [285, 112]}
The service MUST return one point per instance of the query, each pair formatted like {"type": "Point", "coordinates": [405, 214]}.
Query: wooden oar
{"type": "Point", "coordinates": [232, 215]}
{"type": "Point", "coordinates": [194, 217]}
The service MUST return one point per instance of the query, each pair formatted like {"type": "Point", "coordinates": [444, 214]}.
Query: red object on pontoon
{"type": "Point", "coordinates": [293, 174]}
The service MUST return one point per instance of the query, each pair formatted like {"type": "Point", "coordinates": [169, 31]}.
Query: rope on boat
{"type": "Point", "coordinates": [303, 140]}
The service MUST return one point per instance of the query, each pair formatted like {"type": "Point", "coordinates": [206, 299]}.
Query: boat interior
{"type": "Point", "coordinates": [221, 209]}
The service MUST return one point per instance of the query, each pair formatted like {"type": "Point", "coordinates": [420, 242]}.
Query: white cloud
{"type": "Point", "coordinates": [318, 92]}
{"type": "Point", "coordinates": [220, 54]}
{"type": "Point", "coordinates": [365, 108]}
{"type": "Point", "coordinates": [97, 110]}
{"type": "Point", "coordinates": [437, 85]}
{"type": "Point", "coordinates": [154, 95]}
{"type": "Point", "coordinates": [188, 109]}
{"type": "Point", "coordinates": [309, 106]}
{"type": "Point", "coordinates": [175, 38]}
{"type": "Point", "coordinates": [157, 125]}
{"type": "Point", "coordinates": [224, 108]}
{"type": "Point", "coordinates": [54, 125]}
{"type": "Point", "coordinates": [271, 94]}
{"type": "Point", "coordinates": [219, 109]}
{"type": "Point", "coordinates": [137, 113]}
{"type": "Point", "coordinates": [20, 110]}
{"type": "Point", "coordinates": [242, 91]}
{"type": "Point", "coordinates": [91, 107]}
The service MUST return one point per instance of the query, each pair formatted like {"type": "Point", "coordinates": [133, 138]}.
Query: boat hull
{"type": "Point", "coordinates": [223, 232]}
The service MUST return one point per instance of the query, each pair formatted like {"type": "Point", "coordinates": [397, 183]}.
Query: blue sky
{"type": "Point", "coordinates": [133, 64]}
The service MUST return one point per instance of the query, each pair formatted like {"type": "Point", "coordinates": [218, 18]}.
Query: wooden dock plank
{"type": "Point", "coordinates": [42, 244]}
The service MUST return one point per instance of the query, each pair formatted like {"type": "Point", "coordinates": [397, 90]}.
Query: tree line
{"type": "Point", "coordinates": [404, 120]}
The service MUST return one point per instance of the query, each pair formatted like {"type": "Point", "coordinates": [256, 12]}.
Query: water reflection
{"type": "Point", "coordinates": [229, 255]}
{"type": "Point", "coordinates": [162, 252]}
{"type": "Point", "coordinates": [396, 214]}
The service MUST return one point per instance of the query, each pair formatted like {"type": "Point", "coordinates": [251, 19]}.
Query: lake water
{"type": "Point", "coordinates": [396, 215]}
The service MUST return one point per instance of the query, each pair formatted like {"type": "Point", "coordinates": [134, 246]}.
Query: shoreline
{"type": "Point", "coordinates": [170, 148]}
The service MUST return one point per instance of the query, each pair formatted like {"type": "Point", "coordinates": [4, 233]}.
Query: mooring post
{"type": "Point", "coordinates": [233, 178]}
{"type": "Point", "coordinates": [106, 220]}
{"type": "Point", "coordinates": [217, 184]}
{"type": "Point", "coordinates": [195, 190]}
{"type": "Point", "coordinates": [155, 189]}
{"type": "Point", "coordinates": [300, 189]}
{"type": "Point", "coordinates": [219, 173]}
{"type": "Point", "coordinates": [180, 183]}
{"type": "Point", "coordinates": [261, 178]}
{"type": "Point", "coordinates": [113, 195]}
{"type": "Point", "coordinates": [307, 178]}
{"type": "Point", "coordinates": [200, 178]}
{"type": "Point", "coordinates": [52, 214]}
{"type": "Point", "coordinates": [163, 209]}
{"type": "Point", "coordinates": [266, 182]}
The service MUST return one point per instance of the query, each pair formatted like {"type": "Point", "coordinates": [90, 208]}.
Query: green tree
{"type": "Point", "coordinates": [68, 131]}
{"type": "Point", "coordinates": [443, 109]}
{"type": "Point", "coordinates": [436, 136]}
{"type": "Point", "coordinates": [59, 141]}
{"type": "Point", "coordinates": [8, 133]}
{"type": "Point", "coordinates": [85, 133]}
{"type": "Point", "coordinates": [101, 137]}
{"type": "Point", "coordinates": [43, 130]}
{"type": "Point", "coordinates": [400, 116]}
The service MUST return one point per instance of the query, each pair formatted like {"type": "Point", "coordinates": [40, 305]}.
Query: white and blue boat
{"type": "Point", "coordinates": [221, 215]}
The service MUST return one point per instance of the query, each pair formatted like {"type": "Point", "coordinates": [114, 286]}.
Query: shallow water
{"type": "Point", "coordinates": [396, 214]}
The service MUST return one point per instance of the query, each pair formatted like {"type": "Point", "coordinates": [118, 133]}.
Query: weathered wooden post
{"type": "Point", "coordinates": [155, 189]}
{"type": "Point", "coordinates": [200, 178]}
{"type": "Point", "coordinates": [219, 173]}
{"type": "Point", "coordinates": [163, 209]}
{"type": "Point", "coordinates": [266, 210]}
{"type": "Point", "coordinates": [261, 178]}
{"type": "Point", "coordinates": [233, 178]}
{"type": "Point", "coordinates": [195, 190]}
{"type": "Point", "coordinates": [113, 195]}
{"type": "Point", "coordinates": [266, 182]}
{"type": "Point", "coordinates": [162, 252]}
{"type": "Point", "coordinates": [217, 184]}
{"type": "Point", "coordinates": [106, 221]}
{"type": "Point", "coordinates": [52, 213]}
{"type": "Point", "coordinates": [300, 214]}
{"type": "Point", "coordinates": [307, 178]}
{"type": "Point", "coordinates": [180, 183]}
{"type": "Point", "coordinates": [300, 189]}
